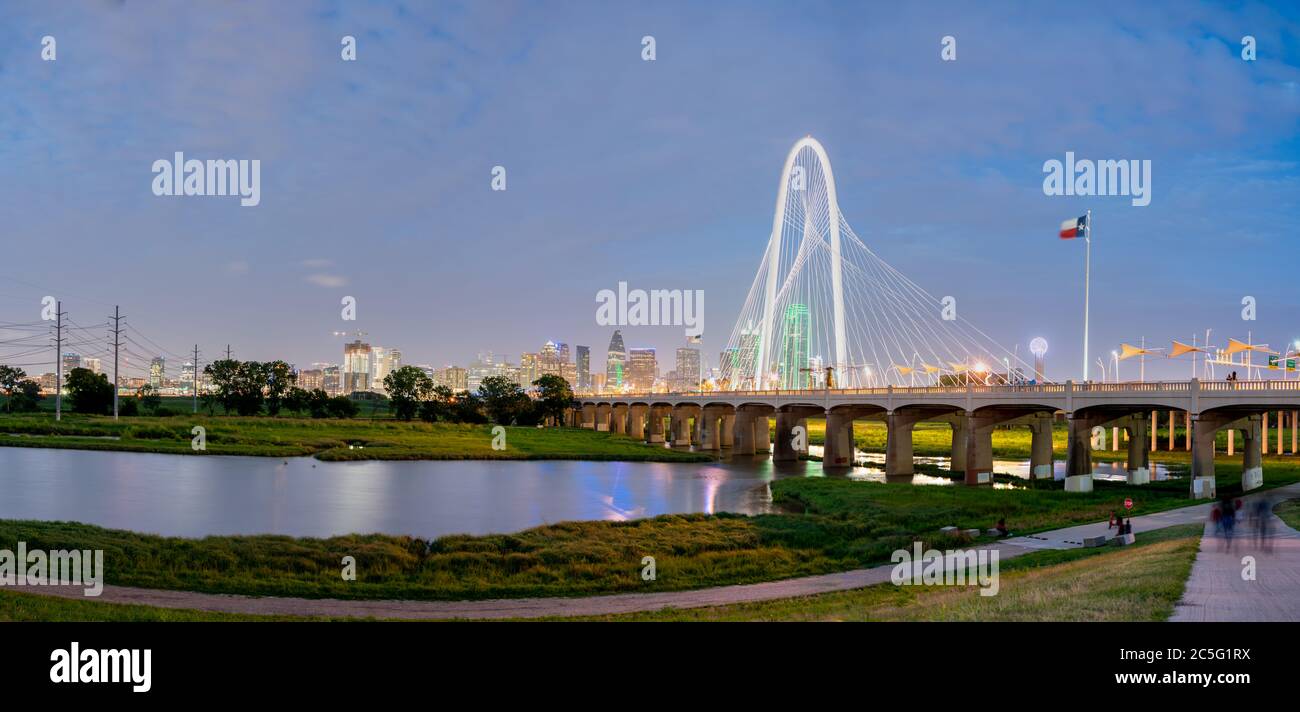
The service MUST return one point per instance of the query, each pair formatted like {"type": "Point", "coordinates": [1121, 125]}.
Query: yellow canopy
{"type": "Point", "coordinates": [930, 369]}
{"type": "Point", "coordinates": [1180, 348]}
{"type": "Point", "coordinates": [958, 367]}
{"type": "Point", "coordinates": [1129, 351]}
{"type": "Point", "coordinates": [1235, 346]}
{"type": "Point", "coordinates": [905, 370]}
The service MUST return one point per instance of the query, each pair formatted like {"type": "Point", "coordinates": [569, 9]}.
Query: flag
{"type": "Point", "coordinates": [1074, 227]}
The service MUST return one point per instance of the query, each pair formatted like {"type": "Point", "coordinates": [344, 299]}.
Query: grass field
{"type": "Point", "coordinates": [1289, 512]}
{"type": "Point", "coordinates": [327, 439]}
{"type": "Point", "coordinates": [1136, 583]}
{"type": "Point", "coordinates": [834, 525]}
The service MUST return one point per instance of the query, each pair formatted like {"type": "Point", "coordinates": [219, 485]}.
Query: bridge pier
{"type": "Point", "coordinates": [1078, 462]}
{"type": "Point", "coordinates": [979, 449]}
{"type": "Point", "coordinates": [783, 444]}
{"type": "Point", "coordinates": [636, 421]}
{"type": "Point", "coordinates": [655, 433]}
{"type": "Point", "coordinates": [680, 423]}
{"type": "Point", "coordinates": [710, 435]}
{"type": "Point", "coordinates": [762, 434]}
{"type": "Point", "coordinates": [589, 416]}
{"type": "Point", "coordinates": [957, 461]}
{"type": "Point", "coordinates": [1204, 428]}
{"type": "Point", "coordinates": [1255, 441]}
{"type": "Point", "coordinates": [727, 430]}
{"type": "Point", "coordinates": [603, 411]}
{"type": "Point", "coordinates": [1139, 457]}
{"type": "Point", "coordinates": [744, 433]}
{"type": "Point", "coordinates": [838, 449]}
{"type": "Point", "coordinates": [1040, 452]}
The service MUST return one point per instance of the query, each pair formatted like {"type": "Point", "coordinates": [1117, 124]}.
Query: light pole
{"type": "Point", "coordinates": [1114, 355]}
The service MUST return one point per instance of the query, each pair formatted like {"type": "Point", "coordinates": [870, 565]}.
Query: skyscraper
{"type": "Point", "coordinates": [688, 369]}
{"type": "Point", "coordinates": [615, 362]}
{"type": "Point", "coordinates": [157, 372]}
{"type": "Point", "coordinates": [794, 347]}
{"type": "Point", "coordinates": [584, 367]}
{"type": "Point", "coordinates": [642, 369]}
{"type": "Point", "coordinates": [357, 367]}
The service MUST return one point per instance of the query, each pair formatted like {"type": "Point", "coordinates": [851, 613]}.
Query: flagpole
{"type": "Point", "coordinates": [1087, 278]}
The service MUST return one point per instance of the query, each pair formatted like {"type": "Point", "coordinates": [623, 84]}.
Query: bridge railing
{"type": "Point", "coordinates": [1179, 387]}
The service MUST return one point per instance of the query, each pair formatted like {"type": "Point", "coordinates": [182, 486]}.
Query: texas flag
{"type": "Point", "coordinates": [1074, 227]}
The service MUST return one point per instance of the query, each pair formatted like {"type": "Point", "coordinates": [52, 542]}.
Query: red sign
{"type": "Point", "coordinates": [1128, 503]}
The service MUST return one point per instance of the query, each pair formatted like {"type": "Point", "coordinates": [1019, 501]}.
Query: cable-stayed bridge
{"type": "Point", "coordinates": [829, 330]}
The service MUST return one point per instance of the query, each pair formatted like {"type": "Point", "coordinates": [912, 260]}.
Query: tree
{"type": "Point", "coordinates": [89, 392]}
{"type": "Point", "coordinates": [468, 408]}
{"type": "Point", "coordinates": [554, 397]}
{"type": "Point", "coordinates": [503, 399]}
{"type": "Point", "coordinates": [439, 405]}
{"type": "Point", "coordinates": [279, 379]}
{"type": "Point", "coordinates": [296, 400]}
{"type": "Point", "coordinates": [149, 399]}
{"type": "Point", "coordinates": [239, 384]}
{"type": "Point", "coordinates": [26, 398]}
{"type": "Point", "coordinates": [342, 407]}
{"type": "Point", "coordinates": [10, 377]}
{"type": "Point", "coordinates": [406, 387]}
{"type": "Point", "coordinates": [318, 402]}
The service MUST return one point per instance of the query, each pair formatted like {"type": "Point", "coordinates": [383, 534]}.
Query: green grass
{"type": "Point", "coordinates": [1289, 512]}
{"type": "Point", "coordinates": [328, 439]}
{"type": "Point", "coordinates": [1136, 583]}
{"type": "Point", "coordinates": [840, 525]}
{"type": "Point", "coordinates": [15, 607]}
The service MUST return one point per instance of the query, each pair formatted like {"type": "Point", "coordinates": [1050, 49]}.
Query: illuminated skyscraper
{"type": "Point", "coordinates": [358, 368]}
{"type": "Point", "coordinates": [584, 367]}
{"type": "Point", "coordinates": [615, 363]}
{"type": "Point", "coordinates": [642, 369]}
{"type": "Point", "coordinates": [688, 369]}
{"type": "Point", "coordinates": [794, 347]}
{"type": "Point", "coordinates": [157, 372]}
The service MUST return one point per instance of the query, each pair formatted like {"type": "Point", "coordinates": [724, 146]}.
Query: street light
{"type": "Point", "coordinates": [1115, 356]}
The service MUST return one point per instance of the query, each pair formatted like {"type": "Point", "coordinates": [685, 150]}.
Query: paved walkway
{"type": "Point", "coordinates": [1209, 587]}
{"type": "Point", "coordinates": [1217, 591]}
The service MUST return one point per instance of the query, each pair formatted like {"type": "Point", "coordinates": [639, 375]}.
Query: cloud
{"type": "Point", "coordinates": [327, 280]}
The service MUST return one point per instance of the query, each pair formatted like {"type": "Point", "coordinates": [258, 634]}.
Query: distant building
{"type": "Point", "coordinates": [331, 380]}
{"type": "Point", "coordinates": [358, 368]}
{"type": "Point", "coordinates": [157, 372]}
{"type": "Point", "coordinates": [70, 361]}
{"type": "Point", "coordinates": [615, 363]}
{"type": "Point", "coordinates": [688, 369]}
{"type": "Point", "coordinates": [642, 369]}
{"type": "Point", "coordinates": [584, 367]}
{"type": "Point", "coordinates": [311, 379]}
{"type": "Point", "coordinates": [93, 364]}
{"type": "Point", "coordinates": [455, 378]}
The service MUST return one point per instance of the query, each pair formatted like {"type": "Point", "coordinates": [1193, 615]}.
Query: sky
{"type": "Point", "coordinates": [376, 173]}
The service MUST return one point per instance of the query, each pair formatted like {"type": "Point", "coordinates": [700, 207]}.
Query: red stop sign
{"type": "Point", "coordinates": [1128, 503]}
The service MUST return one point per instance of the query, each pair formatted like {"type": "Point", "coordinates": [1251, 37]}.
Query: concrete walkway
{"type": "Point", "coordinates": [1217, 591]}
{"type": "Point", "coordinates": [1215, 586]}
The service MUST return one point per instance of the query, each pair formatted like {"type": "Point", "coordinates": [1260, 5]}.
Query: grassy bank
{"type": "Point", "coordinates": [1289, 512]}
{"type": "Point", "coordinates": [839, 525]}
{"type": "Point", "coordinates": [354, 439]}
{"type": "Point", "coordinates": [1135, 583]}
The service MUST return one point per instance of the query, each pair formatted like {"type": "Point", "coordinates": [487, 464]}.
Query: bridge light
{"type": "Point", "coordinates": [1038, 346]}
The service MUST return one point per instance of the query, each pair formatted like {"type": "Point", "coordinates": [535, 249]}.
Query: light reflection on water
{"type": "Point", "coordinates": [192, 496]}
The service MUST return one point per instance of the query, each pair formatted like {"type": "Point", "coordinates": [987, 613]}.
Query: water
{"type": "Point", "coordinates": [194, 496]}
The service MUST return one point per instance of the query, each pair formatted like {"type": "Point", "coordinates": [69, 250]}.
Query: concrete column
{"type": "Point", "coordinates": [803, 423]}
{"type": "Point", "coordinates": [709, 430]}
{"type": "Point", "coordinates": [1263, 441]}
{"type": "Point", "coordinates": [1040, 452]}
{"type": "Point", "coordinates": [636, 421]}
{"type": "Point", "coordinates": [603, 412]}
{"type": "Point", "coordinates": [1079, 455]}
{"type": "Point", "coordinates": [762, 434]}
{"type": "Point", "coordinates": [1202, 484]}
{"type": "Point", "coordinates": [783, 444]}
{"type": "Point", "coordinates": [898, 444]}
{"type": "Point", "coordinates": [727, 430]}
{"type": "Point", "coordinates": [1281, 430]}
{"type": "Point", "coordinates": [838, 452]}
{"type": "Point", "coordinates": [655, 433]}
{"type": "Point", "coordinates": [681, 425]}
{"type": "Point", "coordinates": [979, 451]}
{"type": "Point", "coordinates": [1295, 431]}
{"type": "Point", "coordinates": [1252, 464]}
{"type": "Point", "coordinates": [1154, 422]}
{"type": "Point", "coordinates": [744, 433]}
{"type": "Point", "coordinates": [618, 422]}
{"type": "Point", "coordinates": [1187, 431]}
{"type": "Point", "coordinates": [958, 459]}
{"type": "Point", "coordinates": [1171, 431]}
{"type": "Point", "coordinates": [589, 416]}
{"type": "Point", "coordinates": [1139, 459]}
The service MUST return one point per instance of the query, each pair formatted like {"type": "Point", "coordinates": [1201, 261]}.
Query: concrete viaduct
{"type": "Point", "coordinates": [739, 421]}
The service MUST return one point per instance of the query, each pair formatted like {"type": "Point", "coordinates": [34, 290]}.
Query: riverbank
{"type": "Point", "coordinates": [328, 439]}
{"type": "Point", "coordinates": [834, 525]}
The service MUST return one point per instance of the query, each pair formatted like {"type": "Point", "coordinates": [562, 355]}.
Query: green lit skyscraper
{"type": "Point", "coordinates": [794, 347]}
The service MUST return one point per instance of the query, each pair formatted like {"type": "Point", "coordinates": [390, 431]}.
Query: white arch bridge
{"type": "Point", "coordinates": [738, 422]}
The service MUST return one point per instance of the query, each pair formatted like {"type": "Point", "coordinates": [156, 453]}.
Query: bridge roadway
{"type": "Point", "coordinates": [739, 421]}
